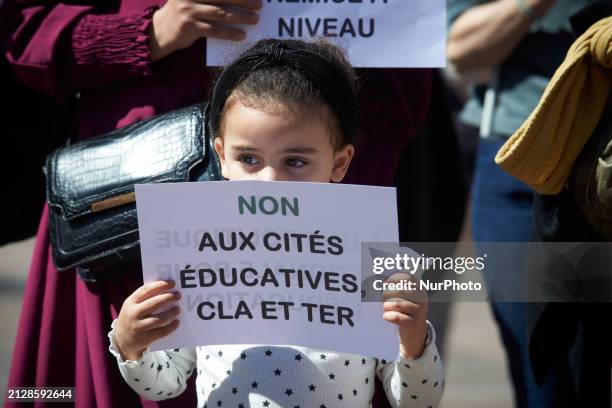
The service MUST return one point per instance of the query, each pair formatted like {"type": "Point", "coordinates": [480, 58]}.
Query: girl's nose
{"type": "Point", "coordinates": [269, 174]}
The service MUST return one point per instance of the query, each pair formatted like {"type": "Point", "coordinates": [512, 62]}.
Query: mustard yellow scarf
{"type": "Point", "coordinates": [542, 151]}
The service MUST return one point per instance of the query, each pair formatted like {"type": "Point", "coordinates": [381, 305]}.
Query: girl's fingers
{"type": "Point", "coordinates": [159, 320]}
{"type": "Point", "coordinates": [401, 306]}
{"type": "Point", "coordinates": [217, 31]}
{"type": "Point", "coordinates": [247, 4]}
{"type": "Point", "coordinates": [161, 332]}
{"type": "Point", "coordinates": [145, 308]}
{"type": "Point", "coordinates": [397, 317]}
{"type": "Point", "coordinates": [223, 15]}
{"type": "Point", "coordinates": [151, 289]}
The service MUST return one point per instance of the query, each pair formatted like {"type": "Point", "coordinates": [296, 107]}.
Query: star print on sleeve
{"type": "Point", "coordinates": [414, 383]}
{"type": "Point", "coordinates": [156, 375]}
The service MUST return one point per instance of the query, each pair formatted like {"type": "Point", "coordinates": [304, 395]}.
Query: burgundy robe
{"type": "Point", "coordinates": [99, 50]}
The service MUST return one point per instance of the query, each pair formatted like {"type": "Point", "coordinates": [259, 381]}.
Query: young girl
{"type": "Point", "coordinates": [284, 110]}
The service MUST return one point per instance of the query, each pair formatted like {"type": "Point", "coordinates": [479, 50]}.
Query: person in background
{"type": "Point", "coordinates": [520, 43]}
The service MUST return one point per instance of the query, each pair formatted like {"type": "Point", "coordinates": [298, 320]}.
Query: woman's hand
{"type": "Point", "coordinates": [138, 325]}
{"type": "Point", "coordinates": [407, 309]}
{"type": "Point", "coordinates": [179, 23]}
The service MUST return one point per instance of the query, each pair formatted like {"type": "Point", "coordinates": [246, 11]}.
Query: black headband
{"type": "Point", "coordinates": [322, 73]}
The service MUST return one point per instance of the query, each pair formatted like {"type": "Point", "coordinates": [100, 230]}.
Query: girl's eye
{"type": "Point", "coordinates": [248, 160]}
{"type": "Point", "coordinates": [295, 163]}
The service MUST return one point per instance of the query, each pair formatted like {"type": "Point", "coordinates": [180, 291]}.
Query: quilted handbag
{"type": "Point", "coordinates": [90, 185]}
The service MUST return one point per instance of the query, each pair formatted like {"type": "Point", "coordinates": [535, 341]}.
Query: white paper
{"type": "Point", "coordinates": [392, 34]}
{"type": "Point", "coordinates": [173, 218]}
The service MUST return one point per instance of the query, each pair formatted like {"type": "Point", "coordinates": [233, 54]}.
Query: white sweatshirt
{"type": "Point", "coordinates": [254, 376]}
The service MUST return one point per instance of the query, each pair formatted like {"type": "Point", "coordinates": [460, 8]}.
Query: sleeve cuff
{"type": "Point", "coordinates": [114, 350]}
{"type": "Point", "coordinates": [430, 348]}
{"type": "Point", "coordinates": [113, 46]}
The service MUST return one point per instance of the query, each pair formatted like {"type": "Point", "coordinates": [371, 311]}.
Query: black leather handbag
{"type": "Point", "coordinates": [90, 185]}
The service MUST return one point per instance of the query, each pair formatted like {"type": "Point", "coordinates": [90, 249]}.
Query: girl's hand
{"type": "Point", "coordinates": [138, 325]}
{"type": "Point", "coordinates": [407, 309]}
{"type": "Point", "coordinates": [179, 23]}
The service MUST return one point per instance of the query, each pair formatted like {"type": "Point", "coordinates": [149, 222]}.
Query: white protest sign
{"type": "Point", "coordinates": [374, 33]}
{"type": "Point", "coordinates": [273, 263]}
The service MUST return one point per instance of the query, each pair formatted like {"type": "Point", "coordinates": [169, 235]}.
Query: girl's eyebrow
{"type": "Point", "coordinates": [245, 148]}
{"type": "Point", "coordinates": [305, 150]}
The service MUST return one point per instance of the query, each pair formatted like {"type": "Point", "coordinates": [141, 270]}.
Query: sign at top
{"type": "Point", "coordinates": [374, 33]}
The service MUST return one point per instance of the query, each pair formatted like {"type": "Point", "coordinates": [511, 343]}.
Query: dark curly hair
{"type": "Point", "coordinates": [273, 85]}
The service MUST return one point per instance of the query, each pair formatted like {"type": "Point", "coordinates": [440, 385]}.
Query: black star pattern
{"type": "Point", "coordinates": [148, 389]}
{"type": "Point", "coordinates": [234, 390]}
{"type": "Point", "coordinates": [323, 356]}
{"type": "Point", "coordinates": [298, 357]}
{"type": "Point", "coordinates": [340, 397]}
{"type": "Point", "coordinates": [404, 384]}
{"type": "Point", "coordinates": [414, 397]}
{"type": "Point", "coordinates": [436, 357]}
{"type": "Point", "coordinates": [354, 392]}
{"type": "Point", "coordinates": [167, 364]}
{"type": "Point", "coordinates": [435, 384]}
{"type": "Point", "coordinates": [277, 372]}
{"type": "Point", "coordinates": [160, 393]}
{"type": "Point", "coordinates": [159, 368]}
{"type": "Point", "coordinates": [228, 372]}
{"type": "Point", "coordinates": [367, 380]}
{"type": "Point", "coordinates": [220, 353]}
{"type": "Point", "coordinates": [266, 403]}
{"type": "Point", "coordinates": [254, 384]}
{"type": "Point", "coordinates": [214, 385]}
{"type": "Point", "coordinates": [322, 406]}
{"type": "Point", "coordinates": [363, 361]}
{"type": "Point", "coordinates": [289, 391]}
{"type": "Point", "coordinates": [207, 356]}
{"type": "Point", "coordinates": [312, 387]}
{"type": "Point", "coordinates": [332, 376]}
{"type": "Point", "coordinates": [188, 371]}
{"type": "Point", "coordinates": [268, 353]}
{"type": "Point", "coordinates": [176, 350]}
{"type": "Point", "coordinates": [346, 363]}
{"type": "Point", "coordinates": [383, 361]}
{"type": "Point", "coordinates": [424, 381]}
{"type": "Point", "coordinates": [240, 406]}
{"type": "Point", "coordinates": [168, 394]}
{"type": "Point", "coordinates": [243, 356]}
{"type": "Point", "coordinates": [137, 379]}
{"type": "Point", "coordinates": [219, 403]}
{"type": "Point", "coordinates": [406, 365]}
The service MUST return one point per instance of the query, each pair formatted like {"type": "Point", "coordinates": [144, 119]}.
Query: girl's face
{"type": "Point", "coordinates": [280, 145]}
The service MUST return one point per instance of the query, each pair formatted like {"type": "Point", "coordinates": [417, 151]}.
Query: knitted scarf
{"type": "Point", "coordinates": [542, 151]}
